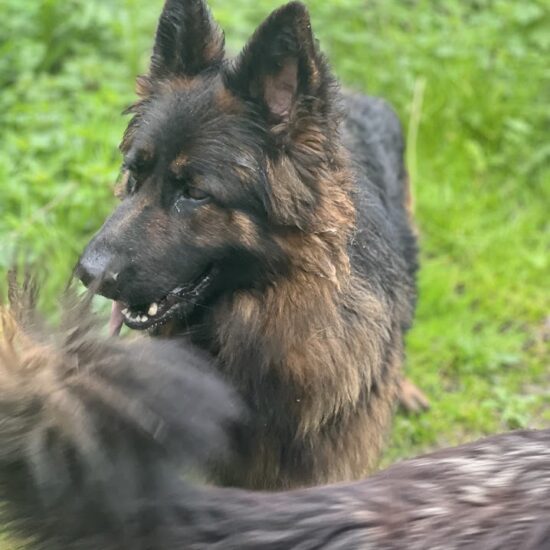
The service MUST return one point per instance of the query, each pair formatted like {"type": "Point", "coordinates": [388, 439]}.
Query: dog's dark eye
{"type": "Point", "coordinates": [195, 194]}
{"type": "Point", "coordinates": [190, 197]}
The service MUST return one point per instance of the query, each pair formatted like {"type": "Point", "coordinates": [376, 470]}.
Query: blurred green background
{"type": "Point", "coordinates": [470, 80]}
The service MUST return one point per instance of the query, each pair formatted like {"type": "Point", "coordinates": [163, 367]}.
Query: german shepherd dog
{"type": "Point", "coordinates": [94, 433]}
{"type": "Point", "coordinates": [266, 220]}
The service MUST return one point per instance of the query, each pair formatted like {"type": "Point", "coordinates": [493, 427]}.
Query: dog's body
{"type": "Point", "coordinates": [271, 232]}
{"type": "Point", "coordinates": [94, 433]}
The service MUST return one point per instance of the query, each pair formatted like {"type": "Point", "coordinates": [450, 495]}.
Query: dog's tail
{"type": "Point", "coordinates": [95, 430]}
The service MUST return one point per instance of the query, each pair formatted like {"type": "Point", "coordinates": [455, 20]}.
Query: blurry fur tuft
{"type": "Point", "coordinates": [93, 433]}
{"type": "Point", "coordinates": [92, 428]}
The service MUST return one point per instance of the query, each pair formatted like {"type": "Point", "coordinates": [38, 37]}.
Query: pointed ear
{"type": "Point", "coordinates": [187, 40]}
{"type": "Point", "coordinates": [280, 64]}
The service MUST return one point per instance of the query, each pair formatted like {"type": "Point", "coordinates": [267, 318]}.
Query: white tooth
{"type": "Point", "coordinates": [143, 318]}
{"type": "Point", "coordinates": [125, 311]}
{"type": "Point", "coordinates": [153, 308]}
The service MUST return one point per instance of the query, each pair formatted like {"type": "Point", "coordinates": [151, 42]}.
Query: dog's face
{"type": "Point", "coordinates": [208, 186]}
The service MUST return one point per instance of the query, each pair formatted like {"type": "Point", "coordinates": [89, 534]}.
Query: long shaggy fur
{"type": "Point", "coordinates": [303, 228]}
{"type": "Point", "coordinates": [92, 429]}
{"type": "Point", "coordinates": [94, 434]}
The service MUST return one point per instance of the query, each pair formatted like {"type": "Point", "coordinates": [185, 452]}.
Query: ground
{"type": "Point", "coordinates": [471, 83]}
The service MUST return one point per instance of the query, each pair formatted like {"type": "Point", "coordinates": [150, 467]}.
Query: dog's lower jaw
{"type": "Point", "coordinates": [180, 301]}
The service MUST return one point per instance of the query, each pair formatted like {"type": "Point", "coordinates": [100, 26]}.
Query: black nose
{"type": "Point", "coordinates": [98, 271]}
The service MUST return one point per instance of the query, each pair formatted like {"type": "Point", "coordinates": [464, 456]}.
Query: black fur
{"type": "Point", "coordinates": [187, 40]}
{"type": "Point", "coordinates": [93, 429]}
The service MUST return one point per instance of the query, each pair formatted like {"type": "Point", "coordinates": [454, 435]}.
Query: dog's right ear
{"type": "Point", "coordinates": [187, 41]}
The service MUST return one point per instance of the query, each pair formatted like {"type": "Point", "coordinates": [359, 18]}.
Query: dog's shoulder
{"type": "Point", "coordinates": [374, 137]}
{"type": "Point", "coordinates": [384, 244]}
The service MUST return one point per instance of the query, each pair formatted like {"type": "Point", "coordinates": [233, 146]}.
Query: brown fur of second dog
{"type": "Point", "coordinates": [94, 433]}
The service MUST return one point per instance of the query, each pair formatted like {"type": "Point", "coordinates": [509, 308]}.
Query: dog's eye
{"type": "Point", "coordinates": [189, 198]}
{"type": "Point", "coordinates": [195, 194]}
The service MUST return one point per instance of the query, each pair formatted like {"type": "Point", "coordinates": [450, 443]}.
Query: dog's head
{"type": "Point", "coordinates": [223, 159]}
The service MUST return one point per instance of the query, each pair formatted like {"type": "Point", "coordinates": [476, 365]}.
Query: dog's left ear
{"type": "Point", "coordinates": [187, 42]}
{"type": "Point", "coordinates": [280, 65]}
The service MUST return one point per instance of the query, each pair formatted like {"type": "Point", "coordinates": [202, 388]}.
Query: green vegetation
{"type": "Point", "coordinates": [471, 82]}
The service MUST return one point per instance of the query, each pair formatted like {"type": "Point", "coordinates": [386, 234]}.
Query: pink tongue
{"type": "Point", "coordinates": [115, 322]}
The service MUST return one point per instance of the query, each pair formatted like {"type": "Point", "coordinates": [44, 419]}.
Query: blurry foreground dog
{"type": "Point", "coordinates": [265, 216]}
{"type": "Point", "coordinates": [95, 432]}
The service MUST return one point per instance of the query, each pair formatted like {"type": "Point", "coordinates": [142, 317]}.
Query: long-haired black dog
{"type": "Point", "coordinates": [95, 434]}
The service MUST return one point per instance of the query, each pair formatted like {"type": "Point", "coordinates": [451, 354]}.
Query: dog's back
{"type": "Point", "coordinates": [374, 137]}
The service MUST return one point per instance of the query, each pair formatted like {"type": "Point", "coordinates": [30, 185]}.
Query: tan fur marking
{"type": "Point", "coordinates": [120, 186]}
{"type": "Point", "coordinates": [209, 226]}
{"type": "Point", "coordinates": [226, 101]}
{"type": "Point", "coordinates": [179, 163]}
{"type": "Point", "coordinates": [146, 153]}
{"type": "Point", "coordinates": [214, 226]}
{"type": "Point", "coordinates": [180, 83]}
{"type": "Point", "coordinates": [245, 228]}
{"type": "Point", "coordinates": [322, 354]}
{"type": "Point", "coordinates": [144, 87]}
{"type": "Point", "coordinates": [245, 174]}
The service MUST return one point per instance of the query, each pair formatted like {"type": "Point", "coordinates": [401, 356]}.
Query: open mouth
{"type": "Point", "coordinates": [178, 301]}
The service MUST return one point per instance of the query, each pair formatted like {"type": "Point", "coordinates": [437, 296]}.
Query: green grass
{"type": "Point", "coordinates": [471, 82]}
